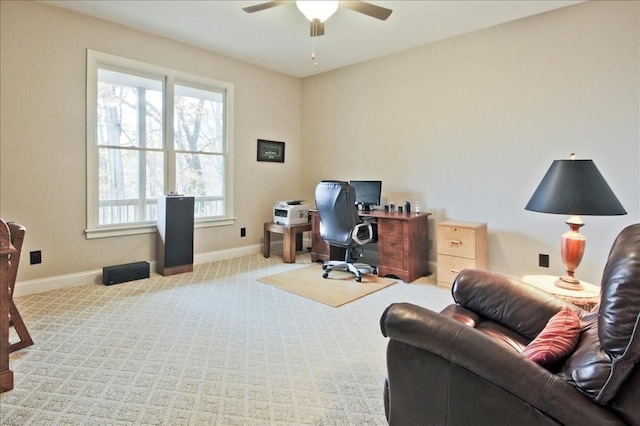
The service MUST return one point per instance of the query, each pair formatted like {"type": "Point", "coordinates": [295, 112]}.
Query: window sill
{"type": "Point", "coordinates": [150, 228]}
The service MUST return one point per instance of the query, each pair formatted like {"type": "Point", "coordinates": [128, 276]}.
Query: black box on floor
{"type": "Point", "coordinates": [122, 273]}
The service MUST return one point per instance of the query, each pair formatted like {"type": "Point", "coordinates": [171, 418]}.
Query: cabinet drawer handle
{"type": "Point", "coordinates": [454, 271]}
{"type": "Point", "coordinates": [455, 242]}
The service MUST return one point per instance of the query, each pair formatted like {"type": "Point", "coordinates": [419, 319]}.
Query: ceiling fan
{"type": "Point", "coordinates": [319, 11]}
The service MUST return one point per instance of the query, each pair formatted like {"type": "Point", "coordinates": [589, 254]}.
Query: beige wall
{"type": "Point", "coordinates": [42, 139]}
{"type": "Point", "coordinates": [468, 126]}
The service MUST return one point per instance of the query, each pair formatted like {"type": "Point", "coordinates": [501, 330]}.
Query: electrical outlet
{"type": "Point", "coordinates": [543, 260]}
{"type": "Point", "coordinates": [243, 232]}
{"type": "Point", "coordinates": [35, 257]}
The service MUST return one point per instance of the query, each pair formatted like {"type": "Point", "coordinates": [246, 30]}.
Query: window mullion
{"type": "Point", "coordinates": [142, 155]}
{"type": "Point", "coordinates": [169, 145]}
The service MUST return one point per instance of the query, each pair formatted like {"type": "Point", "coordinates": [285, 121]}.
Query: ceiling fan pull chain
{"type": "Point", "coordinates": [313, 48]}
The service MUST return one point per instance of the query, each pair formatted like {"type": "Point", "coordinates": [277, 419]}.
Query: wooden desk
{"type": "Point", "coordinates": [290, 235]}
{"type": "Point", "coordinates": [403, 244]}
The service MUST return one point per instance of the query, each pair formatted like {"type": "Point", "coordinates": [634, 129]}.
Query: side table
{"type": "Point", "coordinates": [585, 299]}
{"type": "Point", "coordinates": [290, 235]}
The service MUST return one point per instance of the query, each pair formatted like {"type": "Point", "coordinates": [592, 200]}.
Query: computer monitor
{"type": "Point", "coordinates": [368, 192]}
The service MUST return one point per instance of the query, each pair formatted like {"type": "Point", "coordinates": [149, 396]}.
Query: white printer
{"type": "Point", "coordinates": [290, 212]}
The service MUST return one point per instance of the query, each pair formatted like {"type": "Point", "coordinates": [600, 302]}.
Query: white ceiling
{"type": "Point", "coordinates": [278, 38]}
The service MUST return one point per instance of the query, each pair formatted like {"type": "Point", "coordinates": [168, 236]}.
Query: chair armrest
{"type": "Point", "coordinates": [368, 229]}
{"type": "Point", "coordinates": [478, 356]}
{"type": "Point", "coordinates": [509, 302]}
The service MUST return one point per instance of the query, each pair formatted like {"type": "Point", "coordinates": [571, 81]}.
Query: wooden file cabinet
{"type": "Point", "coordinates": [403, 246]}
{"type": "Point", "coordinates": [461, 245]}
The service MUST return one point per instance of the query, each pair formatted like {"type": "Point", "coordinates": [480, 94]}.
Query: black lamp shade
{"type": "Point", "coordinates": [575, 187]}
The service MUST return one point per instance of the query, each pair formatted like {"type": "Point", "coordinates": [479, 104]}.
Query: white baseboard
{"type": "Point", "coordinates": [214, 256]}
{"type": "Point", "coordinates": [41, 285]}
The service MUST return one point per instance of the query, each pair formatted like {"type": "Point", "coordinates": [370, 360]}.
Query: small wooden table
{"type": "Point", "coordinates": [291, 234]}
{"type": "Point", "coordinates": [585, 299]}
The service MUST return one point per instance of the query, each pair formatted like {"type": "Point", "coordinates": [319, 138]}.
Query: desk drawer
{"type": "Point", "coordinates": [391, 243]}
{"type": "Point", "coordinates": [391, 228]}
{"type": "Point", "coordinates": [454, 241]}
{"type": "Point", "coordinates": [391, 254]}
{"type": "Point", "coordinates": [450, 266]}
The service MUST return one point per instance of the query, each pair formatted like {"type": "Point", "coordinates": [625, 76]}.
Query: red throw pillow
{"type": "Point", "coordinates": [557, 340]}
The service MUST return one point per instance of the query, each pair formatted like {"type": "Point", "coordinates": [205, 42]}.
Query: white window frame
{"type": "Point", "coordinates": [94, 61]}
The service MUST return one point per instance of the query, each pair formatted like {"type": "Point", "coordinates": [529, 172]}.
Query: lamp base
{"type": "Point", "coordinates": [569, 283]}
{"type": "Point", "coordinates": [571, 248]}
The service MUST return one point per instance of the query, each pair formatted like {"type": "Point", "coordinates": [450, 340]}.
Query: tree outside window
{"type": "Point", "coordinates": [146, 143]}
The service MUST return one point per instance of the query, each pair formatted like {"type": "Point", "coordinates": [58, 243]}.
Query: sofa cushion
{"type": "Point", "coordinates": [506, 301]}
{"type": "Point", "coordinates": [588, 367]}
{"type": "Point", "coordinates": [620, 300]}
{"type": "Point", "coordinates": [500, 334]}
{"type": "Point", "coordinates": [607, 353]}
{"type": "Point", "coordinates": [556, 341]}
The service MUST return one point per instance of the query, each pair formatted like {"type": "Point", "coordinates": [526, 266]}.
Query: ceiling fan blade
{"type": "Point", "coordinates": [265, 6]}
{"type": "Point", "coordinates": [317, 28]}
{"type": "Point", "coordinates": [368, 9]}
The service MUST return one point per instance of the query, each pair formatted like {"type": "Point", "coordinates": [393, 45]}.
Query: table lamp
{"type": "Point", "coordinates": [574, 187]}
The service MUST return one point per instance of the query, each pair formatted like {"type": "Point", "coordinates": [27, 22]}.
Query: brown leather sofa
{"type": "Point", "coordinates": [464, 366]}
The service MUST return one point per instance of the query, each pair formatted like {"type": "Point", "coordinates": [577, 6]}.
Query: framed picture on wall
{"type": "Point", "coordinates": [270, 151]}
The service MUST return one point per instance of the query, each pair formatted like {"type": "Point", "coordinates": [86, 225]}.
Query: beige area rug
{"type": "Point", "coordinates": [336, 290]}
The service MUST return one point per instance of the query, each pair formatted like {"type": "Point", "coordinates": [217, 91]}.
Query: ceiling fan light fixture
{"type": "Point", "coordinates": [320, 10]}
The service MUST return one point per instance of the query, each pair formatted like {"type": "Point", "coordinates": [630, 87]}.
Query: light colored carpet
{"type": "Point", "coordinates": [209, 347]}
{"type": "Point", "coordinates": [339, 288]}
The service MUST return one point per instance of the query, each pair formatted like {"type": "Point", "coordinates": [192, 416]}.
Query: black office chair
{"type": "Point", "coordinates": [341, 226]}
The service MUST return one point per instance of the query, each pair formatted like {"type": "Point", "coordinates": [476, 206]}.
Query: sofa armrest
{"type": "Point", "coordinates": [484, 361]}
{"type": "Point", "coordinates": [509, 302]}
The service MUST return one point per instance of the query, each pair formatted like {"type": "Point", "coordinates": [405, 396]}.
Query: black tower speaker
{"type": "Point", "coordinates": [175, 235]}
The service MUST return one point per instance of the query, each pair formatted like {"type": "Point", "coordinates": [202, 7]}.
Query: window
{"type": "Point", "coordinates": [153, 131]}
